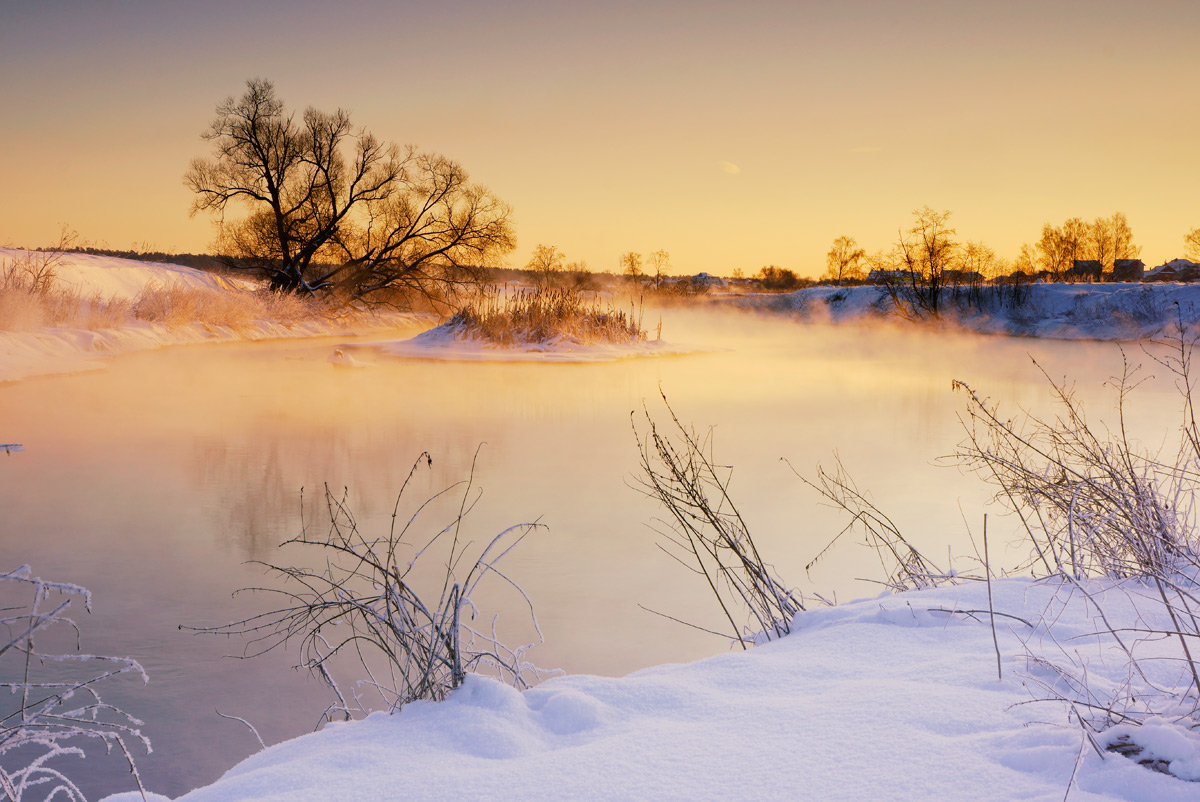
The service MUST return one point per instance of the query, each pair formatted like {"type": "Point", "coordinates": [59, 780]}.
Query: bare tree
{"type": "Point", "coordinates": [660, 263]}
{"type": "Point", "coordinates": [1075, 236]}
{"type": "Point", "coordinates": [1100, 242]}
{"type": "Point", "coordinates": [927, 251]}
{"type": "Point", "coordinates": [1111, 239]}
{"type": "Point", "coordinates": [314, 204]}
{"type": "Point", "coordinates": [977, 264]}
{"type": "Point", "coordinates": [631, 265]}
{"type": "Point", "coordinates": [1191, 244]}
{"type": "Point", "coordinates": [1052, 251]}
{"type": "Point", "coordinates": [1061, 246]}
{"type": "Point", "coordinates": [777, 278]}
{"type": "Point", "coordinates": [1122, 238]}
{"type": "Point", "coordinates": [578, 275]}
{"type": "Point", "coordinates": [545, 263]}
{"type": "Point", "coordinates": [844, 260]}
{"type": "Point", "coordinates": [1027, 262]}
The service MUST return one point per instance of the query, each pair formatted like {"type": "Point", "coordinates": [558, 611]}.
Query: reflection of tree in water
{"type": "Point", "coordinates": [253, 478]}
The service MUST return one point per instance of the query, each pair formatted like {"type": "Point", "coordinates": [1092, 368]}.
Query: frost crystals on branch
{"type": "Point", "coordinates": [46, 719]}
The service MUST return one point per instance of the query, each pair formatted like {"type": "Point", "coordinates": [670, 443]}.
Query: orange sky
{"type": "Point", "coordinates": [733, 135]}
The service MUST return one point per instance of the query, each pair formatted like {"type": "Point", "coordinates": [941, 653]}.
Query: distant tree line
{"type": "Point", "coordinates": [929, 253]}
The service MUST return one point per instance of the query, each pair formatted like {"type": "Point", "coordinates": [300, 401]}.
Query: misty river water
{"type": "Point", "coordinates": [156, 482]}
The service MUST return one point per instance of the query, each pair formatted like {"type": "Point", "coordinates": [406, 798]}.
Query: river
{"type": "Point", "coordinates": [157, 482]}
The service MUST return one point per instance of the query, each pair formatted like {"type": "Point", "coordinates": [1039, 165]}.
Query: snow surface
{"type": "Point", "coordinates": [1120, 311]}
{"type": "Point", "coordinates": [114, 277]}
{"type": "Point", "coordinates": [445, 342]}
{"type": "Point", "coordinates": [891, 698]}
{"type": "Point", "coordinates": [24, 354]}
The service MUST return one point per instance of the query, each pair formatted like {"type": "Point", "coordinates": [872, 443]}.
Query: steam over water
{"type": "Point", "coordinates": [153, 483]}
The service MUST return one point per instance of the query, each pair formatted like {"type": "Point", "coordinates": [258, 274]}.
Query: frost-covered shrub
{"type": "Point", "coordinates": [51, 707]}
{"type": "Point", "coordinates": [1095, 505]}
{"type": "Point", "coordinates": [373, 609]}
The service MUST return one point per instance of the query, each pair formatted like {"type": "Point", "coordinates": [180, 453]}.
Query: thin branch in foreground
{"type": "Point", "coordinates": [365, 605]}
{"type": "Point", "coordinates": [43, 720]}
{"type": "Point", "coordinates": [707, 533]}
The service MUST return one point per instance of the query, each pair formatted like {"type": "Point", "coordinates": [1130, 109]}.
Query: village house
{"type": "Point", "coordinates": [1085, 270]}
{"type": "Point", "coordinates": [1128, 270]}
{"type": "Point", "coordinates": [1174, 270]}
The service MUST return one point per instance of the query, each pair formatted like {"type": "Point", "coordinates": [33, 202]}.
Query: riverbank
{"type": "Point", "coordinates": [1122, 312]}
{"type": "Point", "coordinates": [120, 306]}
{"type": "Point", "coordinates": [1119, 312]}
{"type": "Point", "coordinates": [894, 698]}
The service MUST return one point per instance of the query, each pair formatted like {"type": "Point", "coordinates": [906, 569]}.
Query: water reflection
{"type": "Point", "coordinates": [154, 482]}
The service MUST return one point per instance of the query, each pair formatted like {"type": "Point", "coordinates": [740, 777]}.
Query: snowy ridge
{"type": "Point", "coordinates": [114, 277]}
{"type": "Point", "coordinates": [447, 341]}
{"type": "Point", "coordinates": [892, 698]}
{"type": "Point", "coordinates": [48, 351]}
{"type": "Point", "coordinates": [1055, 311]}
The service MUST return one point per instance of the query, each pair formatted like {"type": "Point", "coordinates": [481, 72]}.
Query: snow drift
{"type": "Point", "coordinates": [889, 698]}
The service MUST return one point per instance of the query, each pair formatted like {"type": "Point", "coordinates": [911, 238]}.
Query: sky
{"type": "Point", "coordinates": [731, 134]}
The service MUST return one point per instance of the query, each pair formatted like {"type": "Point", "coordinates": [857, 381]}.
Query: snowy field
{"type": "Point", "coordinates": [1054, 311]}
{"type": "Point", "coordinates": [45, 351]}
{"type": "Point", "coordinates": [892, 698]}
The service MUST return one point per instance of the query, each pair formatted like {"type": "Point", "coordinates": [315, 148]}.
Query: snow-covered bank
{"type": "Point", "coordinates": [1055, 311]}
{"type": "Point", "coordinates": [46, 351]}
{"type": "Point", "coordinates": [890, 698]}
{"type": "Point", "coordinates": [447, 342]}
{"type": "Point", "coordinates": [114, 277]}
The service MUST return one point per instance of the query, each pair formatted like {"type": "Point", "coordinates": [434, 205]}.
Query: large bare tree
{"type": "Point", "coordinates": [316, 204]}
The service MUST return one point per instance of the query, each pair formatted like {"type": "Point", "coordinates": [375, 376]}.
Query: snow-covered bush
{"type": "Point", "coordinates": [406, 633]}
{"type": "Point", "coordinates": [1093, 504]}
{"type": "Point", "coordinates": [52, 709]}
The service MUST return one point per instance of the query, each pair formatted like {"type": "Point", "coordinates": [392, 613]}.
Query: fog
{"type": "Point", "coordinates": [154, 482]}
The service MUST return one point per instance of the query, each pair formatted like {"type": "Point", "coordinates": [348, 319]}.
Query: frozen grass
{"type": "Point", "coordinates": [543, 316]}
{"type": "Point", "coordinates": [177, 306]}
{"type": "Point", "coordinates": [32, 296]}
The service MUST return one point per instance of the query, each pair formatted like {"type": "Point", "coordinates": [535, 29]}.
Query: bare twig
{"type": "Point", "coordinates": [365, 603]}
{"type": "Point", "coordinates": [48, 719]}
